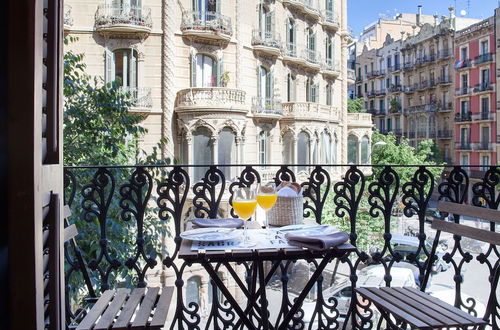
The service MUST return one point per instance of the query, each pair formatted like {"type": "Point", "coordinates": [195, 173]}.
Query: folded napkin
{"type": "Point", "coordinates": [219, 223]}
{"type": "Point", "coordinates": [318, 242]}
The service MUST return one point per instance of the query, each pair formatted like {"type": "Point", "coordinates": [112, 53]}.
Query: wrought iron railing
{"type": "Point", "coordinates": [483, 58]}
{"type": "Point", "coordinates": [266, 38]}
{"type": "Point", "coordinates": [267, 105]}
{"type": "Point", "coordinates": [112, 14]}
{"type": "Point", "coordinates": [140, 96]}
{"type": "Point", "coordinates": [332, 65]}
{"type": "Point", "coordinates": [332, 18]}
{"type": "Point", "coordinates": [311, 56]}
{"type": "Point", "coordinates": [68, 18]}
{"type": "Point", "coordinates": [130, 219]}
{"type": "Point", "coordinates": [206, 21]}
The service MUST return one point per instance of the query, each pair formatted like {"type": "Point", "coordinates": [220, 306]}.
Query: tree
{"type": "Point", "coordinates": [355, 105]}
{"type": "Point", "coordinates": [98, 127]}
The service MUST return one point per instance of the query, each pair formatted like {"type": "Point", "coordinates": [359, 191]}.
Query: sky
{"type": "Point", "coordinates": [364, 12]}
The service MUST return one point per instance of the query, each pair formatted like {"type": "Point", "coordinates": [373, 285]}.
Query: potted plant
{"type": "Point", "coordinates": [224, 79]}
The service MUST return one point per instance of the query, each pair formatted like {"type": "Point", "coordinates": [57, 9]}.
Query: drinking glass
{"type": "Point", "coordinates": [266, 198]}
{"type": "Point", "coordinates": [244, 204]}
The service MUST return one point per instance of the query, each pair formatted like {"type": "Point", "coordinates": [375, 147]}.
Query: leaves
{"type": "Point", "coordinates": [355, 105]}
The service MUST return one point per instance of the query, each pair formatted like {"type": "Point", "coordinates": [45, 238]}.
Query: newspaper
{"type": "Point", "coordinates": [257, 236]}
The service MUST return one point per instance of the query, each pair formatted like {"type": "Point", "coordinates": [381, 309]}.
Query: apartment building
{"type": "Point", "coordinates": [407, 84]}
{"type": "Point", "coordinates": [476, 95]}
{"type": "Point", "coordinates": [229, 81]}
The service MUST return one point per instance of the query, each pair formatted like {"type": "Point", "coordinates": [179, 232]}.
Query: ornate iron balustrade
{"type": "Point", "coordinates": [267, 105]}
{"type": "Point", "coordinates": [68, 19]}
{"type": "Point", "coordinates": [266, 38]}
{"type": "Point", "coordinates": [115, 14]}
{"type": "Point", "coordinates": [488, 57]}
{"type": "Point", "coordinates": [134, 201]}
{"type": "Point", "coordinates": [140, 96]}
{"type": "Point", "coordinates": [331, 18]}
{"type": "Point", "coordinates": [206, 21]}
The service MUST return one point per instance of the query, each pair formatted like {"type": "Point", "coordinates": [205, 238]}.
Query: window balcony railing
{"type": "Point", "coordinates": [123, 19]}
{"type": "Point", "coordinates": [444, 53]}
{"type": "Point", "coordinates": [331, 20]}
{"type": "Point", "coordinates": [380, 92]}
{"type": "Point", "coordinates": [398, 132]}
{"type": "Point", "coordinates": [206, 24]}
{"type": "Point", "coordinates": [311, 9]}
{"type": "Point", "coordinates": [411, 134]}
{"type": "Point", "coordinates": [331, 67]}
{"type": "Point", "coordinates": [483, 58]}
{"type": "Point", "coordinates": [423, 85]}
{"type": "Point", "coordinates": [463, 117]}
{"type": "Point", "coordinates": [140, 97]}
{"type": "Point", "coordinates": [311, 57]}
{"type": "Point", "coordinates": [394, 68]}
{"type": "Point", "coordinates": [372, 93]}
{"type": "Point", "coordinates": [381, 72]}
{"type": "Point", "coordinates": [464, 90]}
{"type": "Point", "coordinates": [137, 214]}
{"type": "Point", "coordinates": [483, 146]}
{"type": "Point", "coordinates": [266, 41]}
{"type": "Point", "coordinates": [445, 134]}
{"type": "Point", "coordinates": [445, 106]}
{"type": "Point", "coordinates": [351, 74]}
{"type": "Point", "coordinates": [202, 98]}
{"type": "Point", "coordinates": [483, 87]}
{"type": "Point", "coordinates": [408, 65]}
{"type": "Point", "coordinates": [267, 107]}
{"type": "Point", "coordinates": [463, 145]}
{"type": "Point", "coordinates": [484, 115]}
{"type": "Point", "coordinates": [444, 80]}
{"type": "Point", "coordinates": [464, 64]}
{"type": "Point", "coordinates": [395, 88]}
{"type": "Point", "coordinates": [291, 50]}
{"type": "Point", "coordinates": [410, 88]}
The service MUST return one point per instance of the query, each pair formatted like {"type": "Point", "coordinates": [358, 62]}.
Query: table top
{"type": "Point", "coordinates": [254, 253]}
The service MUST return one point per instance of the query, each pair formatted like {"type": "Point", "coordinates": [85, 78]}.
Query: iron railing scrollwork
{"type": "Point", "coordinates": [131, 201]}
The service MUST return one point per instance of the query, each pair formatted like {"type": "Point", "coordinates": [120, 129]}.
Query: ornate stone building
{"type": "Point", "coordinates": [229, 81]}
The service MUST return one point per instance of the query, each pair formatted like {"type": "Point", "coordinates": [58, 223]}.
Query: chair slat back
{"type": "Point", "coordinates": [470, 211]}
{"type": "Point", "coordinates": [467, 231]}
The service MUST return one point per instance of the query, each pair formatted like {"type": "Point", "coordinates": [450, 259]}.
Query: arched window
{"type": "Point", "coordinates": [290, 87]}
{"type": "Point", "coordinates": [287, 148]}
{"type": "Point", "coordinates": [326, 148]}
{"type": "Point", "coordinates": [121, 65]}
{"type": "Point", "coordinates": [193, 290]}
{"type": "Point", "coordinates": [226, 151]}
{"type": "Point", "coordinates": [352, 150]}
{"type": "Point", "coordinates": [311, 91]}
{"type": "Point", "coordinates": [265, 87]}
{"type": "Point", "coordinates": [264, 147]}
{"type": "Point", "coordinates": [303, 150]}
{"type": "Point", "coordinates": [365, 150]}
{"type": "Point", "coordinates": [204, 71]}
{"type": "Point", "coordinates": [202, 151]}
{"type": "Point", "coordinates": [266, 23]}
{"type": "Point", "coordinates": [291, 37]}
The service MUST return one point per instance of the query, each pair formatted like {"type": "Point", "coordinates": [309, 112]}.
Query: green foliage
{"type": "Point", "coordinates": [394, 105]}
{"type": "Point", "coordinates": [98, 127]}
{"type": "Point", "coordinates": [355, 105]}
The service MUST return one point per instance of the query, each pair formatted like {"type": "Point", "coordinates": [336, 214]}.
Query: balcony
{"type": "Point", "coordinates": [463, 117]}
{"type": "Point", "coordinates": [206, 26]}
{"type": "Point", "coordinates": [485, 146]}
{"type": "Point", "coordinates": [444, 80]}
{"type": "Point", "coordinates": [395, 88]}
{"type": "Point", "coordinates": [122, 235]}
{"type": "Point", "coordinates": [331, 20]}
{"type": "Point", "coordinates": [311, 9]}
{"type": "Point", "coordinates": [266, 108]}
{"type": "Point", "coordinates": [217, 99]}
{"type": "Point", "coordinates": [484, 116]}
{"type": "Point", "coordinates": [483, 88]}
{"type": "Point", "coordinates": [309, 111]}
{"type": "Point", "coordinates": [398, 132]}
{"type": "Point", "coordinates": [423, 85]}
{"type": "Point", "coordinates": [394, 68]}
{"type": "Point", "coordinates": [331, 68]}
{"type": "Point", "coordinates": [445, 106]}
{"type": "Point", "coordinates": [484, 58]}
{"type": "Point", "coordinates": [461, 65]}
{"type": "Point", "coordinates": [410, 88]}
{"type": "Point", "coordinates": [463, 146]}
{"type": "Point", "coordinates": [266, 42]}
{"type": "Point", "coordinates": [371, 94]}
{"type": "Point", "coordinates": [68, 18]}
{"type": "Point", "coordinates": [351, 76]}
{"type": "Point", "coordinates": [140, 97]}
{"type": "Point", "coordinates": [431, 107]}
{"type": "Point", "coordinates": [444, 54]}
{"type": "Point", "coordinates": [296, 4]}
{"type": "Point", "coordinates": [380, 92]}
{"type": "Point", "coordinates": [311, 60]}
{"type": "Point", "coordinates": [380, 73]}
{"type": "Point", "coordinates": [411, 134]}
{"type": "Point", "coordinates": [463, 91]}
{"type": "Point", "coordinates": [118, 21]}
{"type": "Point", "coordinates": [291, 55]}
{"type": "Point", "coordinates": [408, 66]}
{"type": "Point", "coordinates": [445, 134]}
{"type": "Point", "coordinates": [377, 112]}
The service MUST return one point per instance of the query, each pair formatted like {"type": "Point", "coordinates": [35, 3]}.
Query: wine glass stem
{"type": "Point", "coordinates": [268, 232]}
{"type": "Point", "coordinates": [245, 233]}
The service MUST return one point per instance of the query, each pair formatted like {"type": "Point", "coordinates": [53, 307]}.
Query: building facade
{"type": "Point", "coordinates": [407, 84]}
{"type": "Point", "coordinates": [476, 95]}
{"type": "Point", "coordinates": [229, 81]}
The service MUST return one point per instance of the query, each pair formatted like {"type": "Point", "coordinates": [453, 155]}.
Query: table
{"type": "Point", "coordinates": [257, 257]}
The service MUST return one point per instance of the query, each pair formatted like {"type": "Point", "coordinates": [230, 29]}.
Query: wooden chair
{"type": "Point", "coordinates": [419, 310]}
{"type": "Point", "coordinates": [122, 309]}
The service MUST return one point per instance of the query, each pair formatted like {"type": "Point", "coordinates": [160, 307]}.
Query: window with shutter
{"type": "Point", "coordinates": [109, 64]}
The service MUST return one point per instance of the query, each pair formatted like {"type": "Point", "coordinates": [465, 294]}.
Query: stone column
{"type": "Point", "coordinates": [168, 77]}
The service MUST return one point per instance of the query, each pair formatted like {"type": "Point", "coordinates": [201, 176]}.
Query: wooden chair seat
{"type": "Point", "coordinates": [121, 309]}
{"type": "Point", "coordinates": [418, 309]}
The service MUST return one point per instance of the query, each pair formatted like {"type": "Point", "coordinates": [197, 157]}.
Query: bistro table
{"type": "Point", "coordinates": [257, 256]}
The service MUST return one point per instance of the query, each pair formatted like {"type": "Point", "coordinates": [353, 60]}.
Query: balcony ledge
{"type": "Point", "coordinates": [267, 50]}
{"type": "Point", "coordinates": [218, 99]}
{"type": "Point", "coordinates": [123, 30]}
{"type": "Point", "coordinates": [206, 34]}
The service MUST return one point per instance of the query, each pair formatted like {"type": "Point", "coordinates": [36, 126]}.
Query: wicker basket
{"type": "Point", "coordinates": [286, 211]}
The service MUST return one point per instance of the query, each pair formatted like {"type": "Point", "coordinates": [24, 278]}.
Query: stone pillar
{"type": "Point", "coordinates": [168, 77]}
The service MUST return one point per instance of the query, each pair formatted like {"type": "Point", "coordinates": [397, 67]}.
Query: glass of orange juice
{"type": "Point", "coordinates": [244, 204]}
{"type": "Point", "coordinates": [266, 198]}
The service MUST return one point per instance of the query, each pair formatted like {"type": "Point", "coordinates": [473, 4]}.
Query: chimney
{"type": "Point", "coordinates": [419, 15]}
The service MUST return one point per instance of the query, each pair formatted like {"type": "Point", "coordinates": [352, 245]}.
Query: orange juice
{"type": "Point", "coordinates": [267, 201]}
{"type": "Point", "coordinates": [245, 209]}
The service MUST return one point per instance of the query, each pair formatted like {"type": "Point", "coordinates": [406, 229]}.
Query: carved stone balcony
{"type": "Point", "coordinates": [123, 21]}
{"type": "Point", "coordinates": [309, 111]}
{"type": "Point", "coordinates": [266, 108]}
{"type": "Point", "coordinates": [215, 99]}
{"type": "Point", "coordinates": [331, 68]}
{"type": "Point", "coordinates": [311, 59]}
{"type": "Point", "coordinates": [206, 26]}
{"type": "Point", "coordinates": [140, 97]}
{"type": "Point", "coordinates": [266, 42]}
{"type": "Point", "coordinates": [331, 20]}
{"type": "Point", "coordinates": [311, 9]}
{"type": "Point", "coordinates": [296, 4]}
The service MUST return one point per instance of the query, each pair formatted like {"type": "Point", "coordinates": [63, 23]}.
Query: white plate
{"type": "Point", "coordinates": [308, 230]}
{"type": "Point", "coordinates": [211, 234]}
